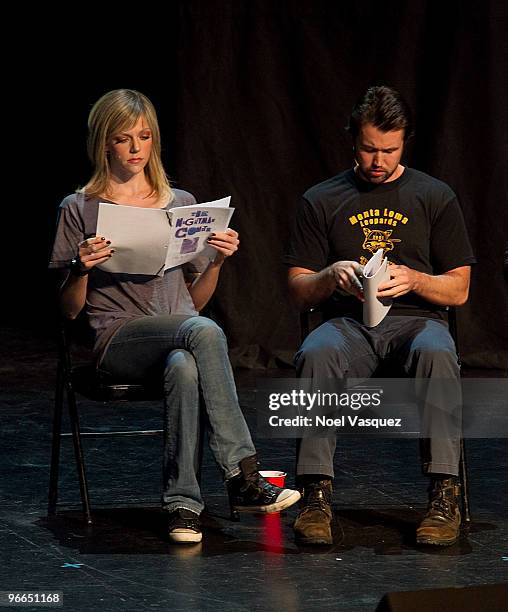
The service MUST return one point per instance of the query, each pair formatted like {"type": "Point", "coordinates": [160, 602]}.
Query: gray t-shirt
{"type": "Point", "coordinates": [114, 299]}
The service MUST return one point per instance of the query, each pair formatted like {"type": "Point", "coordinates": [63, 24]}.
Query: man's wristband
{"type": "Point", "coordinates": [76, 269]}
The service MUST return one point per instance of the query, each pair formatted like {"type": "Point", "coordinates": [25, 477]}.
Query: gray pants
{"type": "Point", "coordinates": [421, 347]}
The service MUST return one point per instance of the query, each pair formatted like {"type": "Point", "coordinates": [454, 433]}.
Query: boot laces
{"type": "Point", "coordinates": [441, 505]}
{"type": "Point", "coordinates": [443, 500]}
{"type": "Point", "coordinates": [318, 499]}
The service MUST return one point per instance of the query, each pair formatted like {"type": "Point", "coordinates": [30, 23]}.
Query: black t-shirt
{"type": "Point", "coordinates": [416, 219]}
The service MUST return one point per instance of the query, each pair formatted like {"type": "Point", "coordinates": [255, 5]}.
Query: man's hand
{"type": "Point", "coordinates": [448, 289]}
{"type": "Point", "coordinates": [309, 288]}
{"type": "Point", "coordinates": [402, 281]}
{"type": "Point", "coordinates": [346, 275]}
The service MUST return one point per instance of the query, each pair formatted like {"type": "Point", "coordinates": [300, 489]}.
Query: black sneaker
{"type": "Point", "coordinates": [184, 527]}
{"type": "Point", "coordinates": [250, 492]}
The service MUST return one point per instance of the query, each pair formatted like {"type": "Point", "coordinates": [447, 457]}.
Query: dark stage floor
{"type": "Point", "coordinates": [124, 561]}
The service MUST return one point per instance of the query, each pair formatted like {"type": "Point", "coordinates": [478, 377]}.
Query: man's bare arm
{"type": "Point", "coordinates": [448, 289]}
{"type": "Point", "coordinates": [309, 288]}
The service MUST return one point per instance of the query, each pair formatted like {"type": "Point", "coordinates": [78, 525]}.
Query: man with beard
{"type": "Point", "coordinates": [339, 225]}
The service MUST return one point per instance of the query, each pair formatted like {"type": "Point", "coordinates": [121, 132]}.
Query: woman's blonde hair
{"type": "Point", "coordinates": [115, 111]}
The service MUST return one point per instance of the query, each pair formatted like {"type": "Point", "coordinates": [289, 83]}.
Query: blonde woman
{"type": "Point", "coordinates": [148, 327]}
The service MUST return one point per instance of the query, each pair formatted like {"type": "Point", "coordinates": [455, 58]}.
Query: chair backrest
{"type": "Point", "coordinates": [452, 325]}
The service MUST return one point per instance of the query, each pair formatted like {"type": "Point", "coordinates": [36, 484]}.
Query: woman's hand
{"type": "Point", "coordinates": [225, 243]}
{"type": "Point", "coordinates": [201, 290]}
{"type": "Point", "coordinates": [93, 251]}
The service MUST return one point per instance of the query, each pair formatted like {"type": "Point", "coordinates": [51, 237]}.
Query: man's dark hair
{"type": "Point", "coordinates": [385, 108]}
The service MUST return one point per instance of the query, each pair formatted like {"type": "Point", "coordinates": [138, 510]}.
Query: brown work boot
{"type": "Point", "coordinates": [441, 525]}
{"type": "Point", "coordinates": [313, 523]}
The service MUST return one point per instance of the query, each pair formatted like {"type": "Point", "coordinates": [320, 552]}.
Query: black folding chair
{"type": "Point", "coordinates": [84, 380]}
{"type": "Point", "coordinates": [305, 329]}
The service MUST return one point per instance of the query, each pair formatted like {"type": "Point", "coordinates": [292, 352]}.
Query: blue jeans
{"type": "Point", "coordinates": [421, 347]}
{"type": "Point", "coordinates": [189, 354]}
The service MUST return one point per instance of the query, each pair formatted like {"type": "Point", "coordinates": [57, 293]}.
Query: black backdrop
{"type": "Point", "coordinates": [252, 99]}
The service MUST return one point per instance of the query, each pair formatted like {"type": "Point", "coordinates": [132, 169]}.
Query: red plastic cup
{"type": "Point", "coordinates": [275, 477]}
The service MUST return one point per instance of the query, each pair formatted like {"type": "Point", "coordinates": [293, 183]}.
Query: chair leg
{"type": "Point", "coordinates": [78, 452]}
{"type": "Point", "coordinates": [55, 444]}
{"type": "Point", "coordinates": [234, 515]}
{"type": "Point", "coordinates": [465, 485]}
{"type": "Point", "coordinates": [201, 444]}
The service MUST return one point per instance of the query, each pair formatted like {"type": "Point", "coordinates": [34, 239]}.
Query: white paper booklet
{"type": "Point", "coordinates": [191, 226]}
{"type": "Point", "coordinates": [375, 272]}
{"type": "Point", "coordinates": [150, 240]}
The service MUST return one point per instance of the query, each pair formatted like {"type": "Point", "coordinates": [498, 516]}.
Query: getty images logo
{"type": "Point", "coordinates": [307, 401]}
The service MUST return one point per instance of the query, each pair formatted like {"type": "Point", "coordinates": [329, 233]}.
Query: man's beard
{"type": "Point", "coordinates": [376, 179]}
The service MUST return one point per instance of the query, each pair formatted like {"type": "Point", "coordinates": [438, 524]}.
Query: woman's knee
{"type": "Point", "coordinates": [181, 368]}
{"type": "Point", "coordinates": [205, 332]}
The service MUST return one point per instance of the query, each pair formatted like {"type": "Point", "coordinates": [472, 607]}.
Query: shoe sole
{"type": "Point", "coordinates": [433, 542]}
{"type": "Point", "coordinates": [185, 537]}
{"type": "Point", "coordinates": [276, 507]}
{"type": "Point", "coordinates": [314, 541]}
